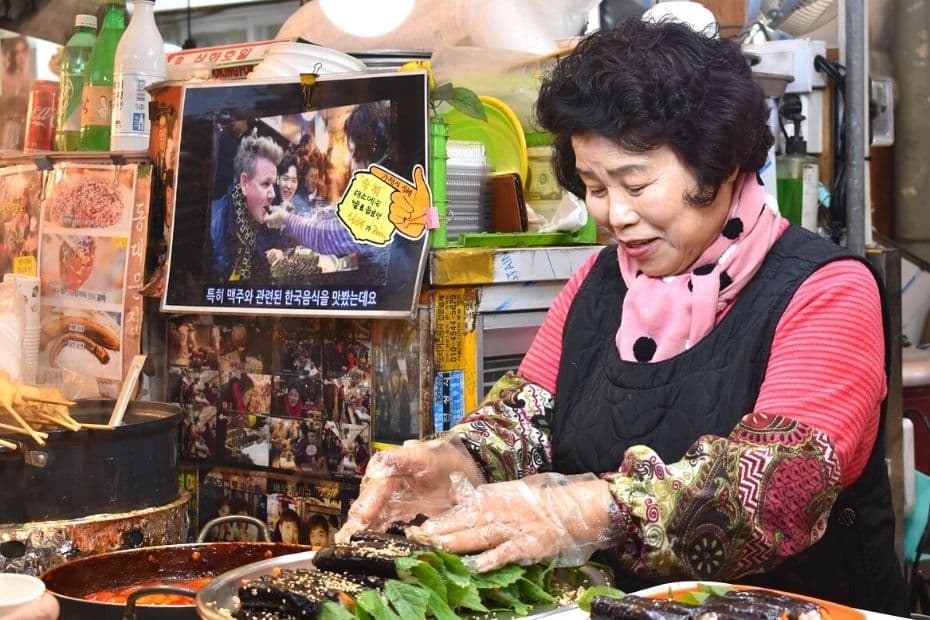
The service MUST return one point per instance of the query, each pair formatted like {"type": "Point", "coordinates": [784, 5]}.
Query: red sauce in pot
{"type": "Point", "coordinates": [120, 596]}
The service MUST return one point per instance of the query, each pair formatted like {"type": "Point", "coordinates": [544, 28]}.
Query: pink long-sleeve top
{"type": "Point", "coordinates": [823, 369]}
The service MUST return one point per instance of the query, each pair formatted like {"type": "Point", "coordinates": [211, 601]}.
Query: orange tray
{"type": "Point", "coordinates": [835, 611]}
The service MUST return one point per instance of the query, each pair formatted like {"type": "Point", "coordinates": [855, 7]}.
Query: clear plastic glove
{"type": "Point", "coordinates": [538, 518]}
{"type": "Point", "coordinates": [276, 215]}
{"type": "Point", "coordinates": [413, 479]}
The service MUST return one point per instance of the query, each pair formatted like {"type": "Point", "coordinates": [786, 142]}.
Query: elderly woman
{"type": "Point", "coordinates": [716, 404]}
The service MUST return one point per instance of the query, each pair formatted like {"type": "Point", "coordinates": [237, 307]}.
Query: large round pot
{"type": "Point", "coordinates": [72, 581]}
{"type": "Point", "coordinates": [87, 472]}
{"type": "Point", "coordinates": [35, 547]}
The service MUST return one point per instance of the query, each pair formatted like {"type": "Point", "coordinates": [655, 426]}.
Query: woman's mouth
{"type": "Point", "coordinates": [638, 248]}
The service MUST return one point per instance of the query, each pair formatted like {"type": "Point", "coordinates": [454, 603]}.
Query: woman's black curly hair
{"type": "Point", "coordinates": [649, 85]}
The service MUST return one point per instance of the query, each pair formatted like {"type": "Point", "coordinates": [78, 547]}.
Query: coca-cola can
{"type": "Point", "coordinates": [40, 127]}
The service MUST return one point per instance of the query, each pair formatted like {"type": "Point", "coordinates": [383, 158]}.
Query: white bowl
{"type": "Point", "coordinates": [292, 67]}
{"type": "Point", "coordinates": [306, 57]}
{"type": "Point", "coordinates": [277, 67]}
{"type": "Point", "coordinates": [17, 590]}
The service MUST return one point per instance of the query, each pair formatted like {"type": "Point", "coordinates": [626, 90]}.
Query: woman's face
{"type": "Point", "coordinates": [290, 532]}
{"type": "Point", "coordinates": [319, 537]}
{"type": "Point", "coordinates": [288, 183]}
{"type": "Point", "coordinates": [354, 162]}
{"type": "Point", "coordinates": [640, 199]}
{"type": "Point", "coordinates": [293, 397]}
{"type": "Point", "coordinates": [20, 55]}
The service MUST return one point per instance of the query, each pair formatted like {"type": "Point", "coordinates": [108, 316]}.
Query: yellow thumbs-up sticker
{"type": "Point", "coordinates": [377, 203]}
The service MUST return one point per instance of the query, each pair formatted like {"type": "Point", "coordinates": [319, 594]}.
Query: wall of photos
{"type": "Point", "coordinates": [281, 415]}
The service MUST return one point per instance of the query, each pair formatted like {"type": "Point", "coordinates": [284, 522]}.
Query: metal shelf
{"type": "Point", "coordinates": [481, 266]}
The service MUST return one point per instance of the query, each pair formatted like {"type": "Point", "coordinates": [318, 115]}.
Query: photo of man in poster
{"type": "Point", "coordinates": [240, 240]}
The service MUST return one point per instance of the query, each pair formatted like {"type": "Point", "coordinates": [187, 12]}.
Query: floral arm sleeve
{"type": "Point", "coordinates": [731, 506]}
{"type": "Point", "coordinates": [507, 434]}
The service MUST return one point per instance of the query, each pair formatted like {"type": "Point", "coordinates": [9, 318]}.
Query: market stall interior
{"type": "Point", "coordinates": [348, 228]}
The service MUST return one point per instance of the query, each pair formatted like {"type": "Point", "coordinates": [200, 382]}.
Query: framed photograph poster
{"type": "Point", "coordinates": [301, 199]}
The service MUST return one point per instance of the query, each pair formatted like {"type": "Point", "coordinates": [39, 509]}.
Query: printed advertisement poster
{"type": "Point", "coordinates": [92, 235]}
{"type": "Point", "coordinates": [302, 512]}
{"type": "Point", "coordinates": [316, 202]}
{"type": "Point", "coordinates": [396, 377]}
{"type": "Point", "coordinates": [197, 391]}
{"type": "Point", "coordinates": [20, 188]}
{"type": "Point", "coordinates": [228, 492]}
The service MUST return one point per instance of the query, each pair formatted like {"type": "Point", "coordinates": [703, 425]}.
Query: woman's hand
{"type": "Point", "coordinates": [402, 483]}
{"type": "Point", "coordinates": [276, 216]}
{"type": "Point", "coordinates": [43, 608]}
{"type": "Point", "coordinates": [525, 521]}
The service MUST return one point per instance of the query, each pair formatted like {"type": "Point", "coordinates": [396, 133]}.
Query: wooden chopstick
{"type": "Point", "coordinates": [98, 427]}
{"type": "Point", "coordinates": [21, 430]}
{"type": "Point", "coordinates": [31, 431]}
{"type": "Point", "coordinates": [50, 401]}
{"type": "Point", "coordinates": [57, 420]}
{"type": "Point", "coordinates": [7, 444]}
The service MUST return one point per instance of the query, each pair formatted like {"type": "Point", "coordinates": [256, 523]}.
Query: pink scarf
{"type": "Point", "coordinates": [663, 317]}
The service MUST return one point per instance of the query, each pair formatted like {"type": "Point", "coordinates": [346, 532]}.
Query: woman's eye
{"type": "Point", "coordinates": [598, 192]}
{"type": "Point", "coordinates": [636, 190]}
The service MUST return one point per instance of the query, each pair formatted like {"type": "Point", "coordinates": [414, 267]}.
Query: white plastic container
{"type": "Point", "coordinates": [17, 591]}
{"type": "Point", "coordinates": [140, 61]}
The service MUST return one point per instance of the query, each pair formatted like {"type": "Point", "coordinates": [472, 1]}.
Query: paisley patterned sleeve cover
{"type": "Point", "coordinates": [731, 506]}
{"type": "Point", "coordinates": [508, 434]}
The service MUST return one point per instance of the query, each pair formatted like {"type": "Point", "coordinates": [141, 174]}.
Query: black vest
{"type": "Point", "coordinates": [605, 405]}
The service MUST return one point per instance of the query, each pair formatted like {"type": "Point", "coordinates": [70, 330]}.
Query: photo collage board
{"type": "Point", "coordinates": [293, 510]}
{"type": "Point", "coordinates": [277, 418]}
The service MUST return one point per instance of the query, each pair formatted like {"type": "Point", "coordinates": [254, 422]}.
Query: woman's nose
{"type": "Point", "coordinates": [622, 214]}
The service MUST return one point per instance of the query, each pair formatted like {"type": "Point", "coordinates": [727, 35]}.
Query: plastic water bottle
{"type": "Point", "coordinates": [140, 61]}
{"type": "Point", "coordinates": [71, 84]}
{"type": "Point", "coordinates": [97, 97]}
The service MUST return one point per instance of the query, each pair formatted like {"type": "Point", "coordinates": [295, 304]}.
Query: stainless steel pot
{"type": "Point", "coordinates": [72, 581]}
{"type": "Point", "coordinates": [88, 472]}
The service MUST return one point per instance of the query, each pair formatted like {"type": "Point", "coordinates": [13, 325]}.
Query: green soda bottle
{"type": "Point", "coordinates": [97, 98]}
{"type": "Point", "coordinates": [73, 67]}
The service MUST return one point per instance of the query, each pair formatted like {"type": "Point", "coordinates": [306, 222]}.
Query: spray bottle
{"type": "Point", "coordinates": [797, 173]}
